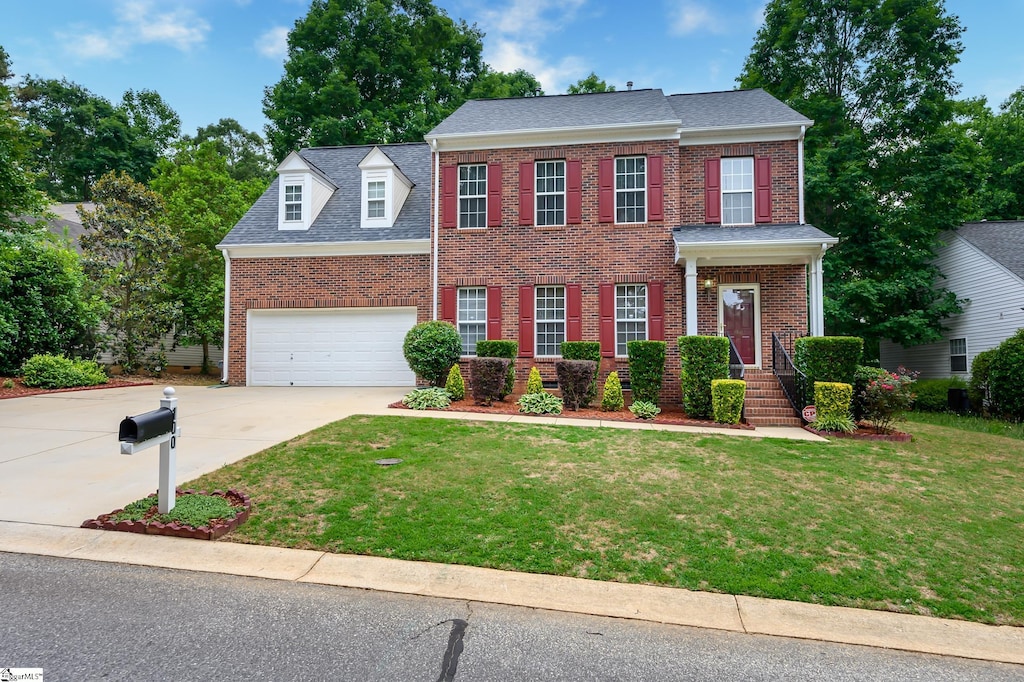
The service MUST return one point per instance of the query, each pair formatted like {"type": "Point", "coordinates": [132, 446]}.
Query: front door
{"type": "Point", "coordinates": [738, 315]}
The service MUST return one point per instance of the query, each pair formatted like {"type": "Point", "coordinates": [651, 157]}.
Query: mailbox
{"type": "Point", "coordinates": [146, 426]}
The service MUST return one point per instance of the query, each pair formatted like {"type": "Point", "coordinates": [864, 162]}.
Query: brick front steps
{"type": "Point", "coordinates": [766, 404]}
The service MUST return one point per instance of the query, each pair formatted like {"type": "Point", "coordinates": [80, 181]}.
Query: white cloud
{"type": "Point", "coordinates": [274, 43]}
{"type": "Point", "coordinates": [690, 17]}
{"type": "Point", "coordinates": [138, 22]}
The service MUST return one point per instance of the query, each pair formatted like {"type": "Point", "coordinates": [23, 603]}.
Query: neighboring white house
{"type": "Point", "coordinates": [983, 263]}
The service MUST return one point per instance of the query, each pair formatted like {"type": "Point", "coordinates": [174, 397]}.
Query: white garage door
{"type": "Point", "coordinates": [336, 347]}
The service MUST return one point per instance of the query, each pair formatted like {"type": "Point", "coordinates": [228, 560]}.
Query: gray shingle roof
{"type": "Point", "coordinates": [339, 220]}
{"type": "Point", "coordinates": [557, 111]}
{"type": "Point", "coordinates": [706, 234]}
{"type": "Point", "coordinates": [1000, 240]}
{"type": "Point", "coordinates": [733, 108]}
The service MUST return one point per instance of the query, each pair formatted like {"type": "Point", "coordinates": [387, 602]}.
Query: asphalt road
{"type": "Point", "coordinates": [81, 620]}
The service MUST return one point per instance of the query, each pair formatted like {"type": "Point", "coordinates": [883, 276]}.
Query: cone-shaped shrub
{"type": "Point", "coordinates": [534, 384]}
{"type": "Point", "coordinates": [611, 399]}
{"type": "Point", "coordinates": [456, 385]}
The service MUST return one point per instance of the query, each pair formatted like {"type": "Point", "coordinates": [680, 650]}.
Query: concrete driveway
{"type": "Point", "coordinates": [60, 462]}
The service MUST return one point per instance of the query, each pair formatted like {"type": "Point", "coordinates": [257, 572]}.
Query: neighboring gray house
{"type": "Point", "coordinates": [984, 264]}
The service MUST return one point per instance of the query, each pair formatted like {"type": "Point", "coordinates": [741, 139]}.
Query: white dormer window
{"type": "Point", "coordinates": [304, 190]}
{"type": "Point", "coordinates": [292, 203]}
{"type": "Point", "coordinates": [375, 199]}
{"type": "Point", "coordinates": [384, 190]}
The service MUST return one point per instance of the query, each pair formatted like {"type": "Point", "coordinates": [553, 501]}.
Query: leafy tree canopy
{"type": "Point", "coordinates": [244, 151]}
{"type": "Point", "coordinates": [498, 84]}
{"type": "Point", "coordinates": [18, 196]}
{"type": "Point", "coordinates": [590, 84]}
{"type": "Point", "coordinates": [1001, 137]}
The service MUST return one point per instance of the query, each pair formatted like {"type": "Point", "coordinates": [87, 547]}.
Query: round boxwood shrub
{"type": "Point", "coordinates": [431, 348]}
{"type": "Point", "coordinates": [1005, 369]}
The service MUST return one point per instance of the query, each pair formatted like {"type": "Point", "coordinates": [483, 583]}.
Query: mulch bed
{"type": "Point", "coordinates": [670, 413]}
{"type": "Point", "coordinates": [865, 432]}
{"type": "Point", "coordinates": [20, 390]}
{"type": "Point", "coordinates": [215, 529]}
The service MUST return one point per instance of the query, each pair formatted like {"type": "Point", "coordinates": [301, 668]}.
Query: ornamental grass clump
{"type": "Point", "coordinates": [611, 399]}
{"type": "Point", "coordinates": [456, 385]}
{"type": "Point", "coordinates": [534, 384]}
{"type": "Point", "coordinates": [887, 398]}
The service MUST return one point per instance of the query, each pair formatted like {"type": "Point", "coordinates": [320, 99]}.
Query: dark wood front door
{"type": "Point", "coordinates": [739, 321]}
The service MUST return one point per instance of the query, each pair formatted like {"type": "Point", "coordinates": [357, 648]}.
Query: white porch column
{"type": "Point", "coordinates": [691, 296]}
{"type": "Point", "coordinates": [816, 296]}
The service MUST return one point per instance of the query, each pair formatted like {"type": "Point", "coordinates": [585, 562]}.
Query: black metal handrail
{"type": "Point", "coordinates": [793, 381]}
{"type": "Point", "coordinates": [736, 366]}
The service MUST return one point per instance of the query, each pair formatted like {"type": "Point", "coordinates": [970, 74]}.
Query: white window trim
{"type": "Point", "coordinates": [538, 194]}
{"type": "Point", "coordinates": [458, 315]}
{"type": "Point", "coordinates": [642, 189]}
{"type": "Point", "coordinates": [964, 355]}
{"type": "Point", "coordinates": [647, 313]}
{"type": "Point", "coordinates": [295, 180]}
{"type": "Point", "coordinates": [752, 191]}
{"type": "Point", "coordinates": [537, 321]}
{"type": "Point", "coordinates": [757, 317]}
{"type": "Point", "coordinates": [376, 176]}
{"type": "Point", "coordinates": [459, 196]}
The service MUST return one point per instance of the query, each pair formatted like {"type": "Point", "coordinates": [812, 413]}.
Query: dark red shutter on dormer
{"type": "Point", "coordinates": [712, 190]}
{"type": "Point", "coordinates": [526, 322]}
{"type": "Point", "coordinates": [494, 313]}
{"type": "Point", "coordinates": [655, 189]}
{"type": "Point", "coordinates": [606, 307]}
{"type": "Point", "coordinates": [606, 190]}
{"type": "Point", "coordinates": [449, 196]}
{"type": "Point", "coordinates": [573, 312]}
{"type": "Point", "coordinates": [573, 192]}
{"type": "Point", "coordinates": [656, 311]}
{"type": "Point", "coordinates": [763, 189]}
{"type": "Point", "coordinates": [448, 304]}
{"type": "Point", "coordinates": [526, 194]}
{"type": "Point", "coordinates": [494, 195]}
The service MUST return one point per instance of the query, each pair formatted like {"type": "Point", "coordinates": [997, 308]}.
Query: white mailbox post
{"type": "Point", "coordinates": [159, 427]}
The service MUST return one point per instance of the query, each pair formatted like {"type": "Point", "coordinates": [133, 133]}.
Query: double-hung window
{"type": "Point", "coordinates": [293, 203]}
{"type": "Point", "coordinates": [738, 191]}
{"type": "Point", "coordinates": [631, 189]}
{"type": "Point", "coordinates": [550, 320]}
{"type": "Point", "coordinates": [630, 315]}
{"type": "Point", "coordinates": [472, 317]}
{"type": "Point", "coordinates": [473, 196]}
{"type": "Point", "coordinates": [375, 199]}
{"type": "Point", "coordinates": [550, 182]}
{"type": "Point", "coordinates": [958, 355]}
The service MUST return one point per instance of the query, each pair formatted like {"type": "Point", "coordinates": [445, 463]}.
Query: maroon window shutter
{"type": "Point", "coordinates": [606, 305]}
{"type": "Point", "coordinates": [526, 322]}
{"type": "Point", "coordinates": [656, 311]}
{"type": "Point", "coordinates": [573, 192]}
{"type": "Point", "coordinates": [449, 196]}
{"type": "Point", "coordinates": [573, 313]}
{"type": "Point", "coordinates": [655, 190]}
{"type": "Point", "coordinates": [494, 195]}
{"type": "Point", "coordinates": [494, 313]}
{"type": "Point", "coordinates": [448, 304]}
{"type": "Point", "coordinates": [712, 190]}
{"type": "Point", "coordinates": [526, 194]}
{"type": "Point", "coordinates": [763, 189]}
{"type": "Point", "coordinates": [606, 190]}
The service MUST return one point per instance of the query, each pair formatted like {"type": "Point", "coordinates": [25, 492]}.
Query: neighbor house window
{"type": "Point", "coordinates": [958, 355]}
{"type": "Point", "coordinates": [375, 199]}
{"type": "Point", "coordinates": [630, 315]}
{"type": "Point", "coordinates": [550, 180]}
{"type": "Point", "coordinates": [631, 189]}
{"type": "Point", "coordinates": [473, 196]}
{"type": "Point", "coordinates": [738, 191]}
{"type": "Point", "coordinates": [472, 320]}
{"type": "Point", "coordinates": [550, 320]}
{"type": "Point", "coordinates": [293, 202]}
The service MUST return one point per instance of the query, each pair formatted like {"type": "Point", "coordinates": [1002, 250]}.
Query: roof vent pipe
{"type": "Point", "coordinates": [629, 85]}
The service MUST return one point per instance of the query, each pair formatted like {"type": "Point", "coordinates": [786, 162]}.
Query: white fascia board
{"type": "Point", "coordinates": [774, 132]}
{"type": "Point", "coordinates": [398, 247]}
{"type": "Point", "coordinates": [543, 137]}
{"type": "Point", "coordinates": [775, 252]}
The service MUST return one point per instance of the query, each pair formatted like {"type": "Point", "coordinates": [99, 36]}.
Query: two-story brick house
{"type": "Point", "coordinates": [605, 217]}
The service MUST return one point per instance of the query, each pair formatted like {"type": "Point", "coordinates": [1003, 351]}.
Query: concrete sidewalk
{"type": "Point", "coordinates": [639, 602]}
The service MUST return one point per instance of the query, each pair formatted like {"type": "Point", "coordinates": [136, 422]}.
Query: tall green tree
{"type": "Point", "coordinates": [370, 71]}
{"type": "Point", "coordinates": [126, 249]}
{"type": "Point", "coordinates": [18, 195]}
{"type": "Point", "coordinates": [202, 202]}
{"type": "Point", "coordinates": [590, 84]}
{"type": "Point", "coordinates": [499, 84]}
{"type": "Point", "coordinates": [244, 150]}
{"type": "Point", "coordinates": [887, 166]}
{"type": "Point", "coordinates": [1001, 137]}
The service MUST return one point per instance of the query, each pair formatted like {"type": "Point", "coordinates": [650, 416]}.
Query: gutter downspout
{"type": "Point", "coordinates": [800, 171]}
{"type": "Point", "coordinates": [227, 315]}
{"type": "Point", "coordinates": [437, 193]}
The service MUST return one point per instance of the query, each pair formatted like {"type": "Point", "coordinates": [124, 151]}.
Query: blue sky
{"type": "Point", "coordinates": [211, 59]}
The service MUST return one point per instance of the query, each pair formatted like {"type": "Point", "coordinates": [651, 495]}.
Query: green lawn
{"type": "Point", "coordinates": [935, 526]}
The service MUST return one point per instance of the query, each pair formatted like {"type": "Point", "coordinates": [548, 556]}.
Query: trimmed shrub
{"type": "Point", "coordinates": [489, 376]}
{"type": "Point", "coordinates": [57, 371]}
{"type": "Point", "coordinates": [431, 348]}
{"type": "Point", "coordinates": [611, 399]}
{"type": "Point", "coordinates": [832, 400]}
{"type": "Point", "coordinates": [932, 395]}
{"type": "Point", "coordinates": [642, 409]}
{"type": "Point", "coordinates": [887, 398]}
{"type": "Point", "coordinates": [646, 369]}
{"type": "Point", "coordinates": [501, 349]}
{"type": "Point", "coordinates": [828, 358]}
{"type": "Point", "coordinates": [574, 379]}
{"type": "Point", "coordinates": [1006, 378]}
{"type": "Point", "coordinates": [535, 384]}
{"type": "Point", "coordinates": [540, 403]}
{"type": "Point", "coordinates": [727, 400]}
{"type": "Point", "coordinates": [703, 358]}
{"type": "Point", "coordinates": [426, 398]}
{"type": "Point", "coordinates": [861, 377]}
{"type": "Point", "coordinates": [584, 350]}
{"type": "Point", "coordinates": [977, 389]}
{"type": "Point", "coordinates": [456, 385]}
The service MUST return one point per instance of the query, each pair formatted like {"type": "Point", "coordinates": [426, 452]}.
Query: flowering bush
{"type": "Point", "coordinates": [886, 398]}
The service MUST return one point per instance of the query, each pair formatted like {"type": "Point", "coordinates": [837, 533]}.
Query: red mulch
{"type": "Point", "coordinates": [20, 390]}
{"type": "Point", "coordinates": [149, 526]}
{"type": "Point", "coordinates": [670, 413]}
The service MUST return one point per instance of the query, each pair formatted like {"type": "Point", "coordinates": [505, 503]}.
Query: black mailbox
{"type": "Point", "coordinates": [146, 426]}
